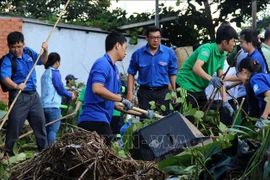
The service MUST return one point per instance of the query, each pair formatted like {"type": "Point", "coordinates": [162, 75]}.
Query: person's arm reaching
{"type": "Point", "coordinates": [12, 85]}
{"type": "Point", "coordinates": [150, 113]}
{"type": "Point", "coordinates": [58, 85]}
{"type": "Point", "coordinates": [101, 91]}
{"type": "Point", "coordinates": [197, 69]}
{"type": "Point", "coordinates": [225, 104]}
{"type": "Point", "coordinates": [266, 110]}
{"type": "Point", "coordinates": [44, 56]}
{"type": "Point", "coordinates": [78, 105]}
{"type": "Point", "coordinates": [130, 83]}
{"type": "Point", "coordinates": [172, 69]}
{"type": "Point", "coordinates": [231, 78]}
{"type": "Point", "coordinates": [173, 83]}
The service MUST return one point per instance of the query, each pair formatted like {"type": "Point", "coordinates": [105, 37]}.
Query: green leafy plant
{"type": "Point", "coordinates": [3, 106]}
{"type": "Point", "coordinates": [9, 164]}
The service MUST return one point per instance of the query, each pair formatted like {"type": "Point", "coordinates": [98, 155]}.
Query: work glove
{"type": "Point", "coordinates": [127, 103]}
{"type": "Point", "coordinates": [150, 114]}
{"type": "Point", "coordinates": [262, 122]}
{"type": "Point", "coordinates": [216, 82]}
{"type": "Point", "coordinates": [227, 108]}
{"type": "Point", "coordinates": [74, 113]}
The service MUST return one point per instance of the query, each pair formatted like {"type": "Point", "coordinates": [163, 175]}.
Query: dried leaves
{"type": "Point", "coordinates": [84, 155]}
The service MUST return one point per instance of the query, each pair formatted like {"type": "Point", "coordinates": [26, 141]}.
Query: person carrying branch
{"type": "Point", "coordinates": [28, 105]}
{"type": "Point", "coordinates": [198, 70]}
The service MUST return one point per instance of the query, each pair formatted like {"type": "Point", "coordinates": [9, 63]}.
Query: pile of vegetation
{"type": "Point", "coordinates": [84, 155]}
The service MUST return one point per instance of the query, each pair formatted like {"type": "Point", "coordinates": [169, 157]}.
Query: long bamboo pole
{"type": "Point", "coordinates": [30, 72]}
{"type": "Point", "coordinates": [30, 132]}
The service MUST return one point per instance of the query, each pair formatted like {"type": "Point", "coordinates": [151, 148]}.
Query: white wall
{"type": "Point", "coordinates": [77, 48]}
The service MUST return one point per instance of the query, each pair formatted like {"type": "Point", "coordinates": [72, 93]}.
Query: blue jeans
{"type": "Point", "coordinates": [52, 114]}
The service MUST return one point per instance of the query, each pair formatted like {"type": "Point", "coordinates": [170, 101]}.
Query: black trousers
{"type": "Point", "coordinates": [145, 95]}
{"type": "Point", "coordinates": [116, 124]}
{"type": "Point", "coordinates": [27, 106]}
{"type": "Point", "coordinates": [102, 128]}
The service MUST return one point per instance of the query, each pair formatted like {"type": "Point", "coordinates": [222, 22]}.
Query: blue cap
{"type": "Point", "coordinates": [70, 77]}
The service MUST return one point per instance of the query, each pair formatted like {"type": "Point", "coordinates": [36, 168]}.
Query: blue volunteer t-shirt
{"type": "Point", "coordinates": [257, 56]}
{"type": "Point", "coordinates": [154, 70]}
{"type": "Point", "coordinates": [260, 84]}
{"type": "Point", "coordinates": [24, 65]}
{"type": "Point", "coordinates": [96, 108]}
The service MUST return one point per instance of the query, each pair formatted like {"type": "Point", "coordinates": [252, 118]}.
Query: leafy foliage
{"type": "Point", "coordinates": [7, 165]}
{"type": "Point", "coordinates": [3, 106]}
{"type": "Point", "coordinates": [44, 9]}
{"type": "Point", "coordinates": [195, 22]}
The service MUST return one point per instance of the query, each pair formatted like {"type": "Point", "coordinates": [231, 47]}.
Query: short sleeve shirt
{"type": "Point", "coordinates": [24, 65]}
{"type": "Point", "coordinates": [154, 70]}
{"type": "Point", "coordinates": [260, 82]}
{"type": "Point", "coordinates": [266, 53]}
{"type": "Point", "coordinates": [257, 56]}
{"type": "Point", "coordinates": [213, 61]}
{"type": "Point", "coordinates": [96, 108]}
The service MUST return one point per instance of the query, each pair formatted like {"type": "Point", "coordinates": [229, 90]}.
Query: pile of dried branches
{"type": "Point", "coordinates": [84, 155]}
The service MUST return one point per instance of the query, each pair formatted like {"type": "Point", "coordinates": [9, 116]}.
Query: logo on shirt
{"type": "Point", "coordinates": [30, 59]}
{"type": "Point", "coordinates": [255, 88]}
{"type": "Point", "coordinates": [205, 53]}
{"type": "Point", "coordinates": [163, 63]}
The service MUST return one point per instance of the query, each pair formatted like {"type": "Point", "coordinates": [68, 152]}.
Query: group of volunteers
{"type": "Point", "coordinates": [158, 74]}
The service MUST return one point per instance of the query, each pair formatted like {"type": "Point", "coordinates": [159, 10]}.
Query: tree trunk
{"type": "Point", "coordinates": [210, 27]}
{"type": "Point", "coordinates": [254, 13]}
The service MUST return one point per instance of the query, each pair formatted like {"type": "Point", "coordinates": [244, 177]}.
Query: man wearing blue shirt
{"type": "Point", "coordinates": [157, 67]}
{"type": "Point", "coordinates": [103, 89]}
{"type": "Point", "coordinates": [28, 105]}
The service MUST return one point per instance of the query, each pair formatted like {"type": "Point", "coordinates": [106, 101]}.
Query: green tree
{"type": "Point", "coordinates": [196, 22]}
{"type": "Point", "coordinates": [188, 29]}
{"type": "Point", "coordinates": [235, 9]}
{"type": "Point", "coordinates": [44, 9]}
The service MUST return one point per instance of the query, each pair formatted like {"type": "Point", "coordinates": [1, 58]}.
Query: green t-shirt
{"type": "Point", "coordinates": [266, 53]}
{"type": "Point", "coordinates": [213, 61]}
{"type": "Point", "coordinates": [81, 98]}
{"type": "Point", "coordinates": [116, 112]}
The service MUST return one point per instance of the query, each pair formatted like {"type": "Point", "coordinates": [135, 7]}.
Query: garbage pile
{"type": "Point", "coordinates": [84, 155]}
